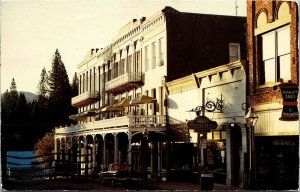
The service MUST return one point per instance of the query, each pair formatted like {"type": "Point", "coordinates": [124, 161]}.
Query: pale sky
{"type": "Point", "coordinates": [32, 30]}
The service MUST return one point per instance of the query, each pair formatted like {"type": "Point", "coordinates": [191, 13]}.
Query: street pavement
{"type": "Point", "coordinates": [191, 186]}
{"type": "Point", "coordinates": [82, 184]}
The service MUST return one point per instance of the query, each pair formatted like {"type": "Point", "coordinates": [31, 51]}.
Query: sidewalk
{"type": "Point", "coordinates": [191, 186]}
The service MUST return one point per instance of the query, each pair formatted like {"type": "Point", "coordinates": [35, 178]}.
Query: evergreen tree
{"type": "Point", "coordinates": [74, 88]}
{"type": "Point", "coordinates": [9, 103]}
{"type": "Point", "coordinates": [43, 90]}
{"type": "Point", "coordinates": [40, 109]}
{"type": "Point", "coordinates": [60, 91]}
{"type": "Point", "coordinates": [5, 101]}
{"type": "Point", "coordinates": [74, 85]}
{"type": "Point", "coordinates": [22, 112]}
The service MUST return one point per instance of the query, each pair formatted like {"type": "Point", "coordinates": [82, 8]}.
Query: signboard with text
{"type": "Point", "coordinates": [202, 124]}
{"type": "Point", "coordinates": [289, 93]}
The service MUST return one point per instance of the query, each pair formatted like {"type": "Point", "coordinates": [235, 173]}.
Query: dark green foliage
{"type": "Point", "coordinates": [23, 122]}
{"type": "Point", "coordinates": [22, 110]}
{"type": "Point", "coordinates": [43, 90]}
{"type": "Point", "coordinates": [60, 91]}
{"type": "Point", "coordinates": [74, 88]}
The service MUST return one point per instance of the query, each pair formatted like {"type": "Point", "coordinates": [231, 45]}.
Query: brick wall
{"type": "Point", "coordinates": [268, 94]}
{"type": "Point", "coordinates": [196, 42]}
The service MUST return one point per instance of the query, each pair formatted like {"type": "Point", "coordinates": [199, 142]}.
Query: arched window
{"type": "Point", "coordinates": [261, 19]}
{"type": "Point", "coordinates": [283, 10]}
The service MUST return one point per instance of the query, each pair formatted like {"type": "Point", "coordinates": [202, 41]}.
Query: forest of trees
{"type": "Point", "coordinates": [24, 123]}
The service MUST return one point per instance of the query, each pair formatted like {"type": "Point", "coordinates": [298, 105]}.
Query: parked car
{"type": "Point", "coordinates": [119, 174]}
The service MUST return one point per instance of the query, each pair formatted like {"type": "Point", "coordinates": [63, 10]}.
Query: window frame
{"type": "Point", "coordinates": [278, 75]}
{"type": "Point", "coordinates": [238, 54]}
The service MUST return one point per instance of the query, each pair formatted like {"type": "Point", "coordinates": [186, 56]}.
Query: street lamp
{"type": "Point", "coordinates": [251, 120]}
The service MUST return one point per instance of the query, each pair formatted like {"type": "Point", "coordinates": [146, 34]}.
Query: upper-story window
{"type": "Point", "coordinates": [234, 52]}
{"type": "Point", "coordinates": [153, 55]}
{"type": "Point", "coordinates": [161, 52]}
{"type": "Point", "coordinates": [122, 67]}
{"type": "Point", "coordinates": [129, 63]}
{"type": "Point", "coordinates": [275, 57]}
{"type": "Point", "coordinates": [116, 69]}
{"type": "Point", "coordinates": [138, 61]}
{"type": "Point", "coordinates": [146, 58]}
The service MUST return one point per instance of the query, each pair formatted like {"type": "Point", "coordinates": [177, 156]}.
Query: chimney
{"type": "Point", "coordinates": [92, 51]}
{"type": "Point", "coordinates": [142, 19]}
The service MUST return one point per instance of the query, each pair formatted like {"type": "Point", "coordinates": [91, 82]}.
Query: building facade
{"type": "Point", "coordinates": [272, 41]}
{"type": "Point", "coordinates": [222, 93]}
{"type": "Point", "coordinates": [122, 112]}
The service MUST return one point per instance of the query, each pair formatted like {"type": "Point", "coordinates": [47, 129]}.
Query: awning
{"type": "Point", "coordinates": [83, 115]}
{"type": "Point", "coordinates": [143, 99]}
{"type": "Point", "coordinates": [112, 109]}
{"type": "Point", "coordinates": [124, 103]}
{"type": "Point", "coordinates": [91, 112]}
{"type": "Point", "coordinates": [78, 117]}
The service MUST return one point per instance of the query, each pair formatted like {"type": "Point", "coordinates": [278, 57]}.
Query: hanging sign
{"type": "Point", "coordinates": [202, 124]}
{"type": "Point", "coordinates": [289, 93]}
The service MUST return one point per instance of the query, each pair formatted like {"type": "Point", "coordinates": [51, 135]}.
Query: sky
{"type": "Point", "coordinates": [32, 30]}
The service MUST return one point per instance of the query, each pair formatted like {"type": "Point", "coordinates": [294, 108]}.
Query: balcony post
{"type": "Point", "coordinates": [116, 148]}
{"type": "Point", "coordinates": [55, 148]}
{"type": "Point", "coordinates": [86, 164]}
{"type": "Point", "coordinates": [104, 151]}
{"type": "Point", "coordinates": [94, 154]}
{"type": "Point", "coordinates": [129, 149]}
{"type": "Point", "coordinates": [79, 156]}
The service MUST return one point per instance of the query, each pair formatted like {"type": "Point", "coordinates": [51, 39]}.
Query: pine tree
{"type": "Point", "coordinates": [43, 90]}
{"type": "Point", "coordinates": [9, 103]}
{"type": "Point", "coordinates": [60, 91]}
{"type": "Point", "coordinates": [5, 101]}
{"type": "Point", "coordinates": [74, 85]}
{"type": "Point", "coordinates": [22, 112]}
{"type": "Point", "coordinates": [74, 88]}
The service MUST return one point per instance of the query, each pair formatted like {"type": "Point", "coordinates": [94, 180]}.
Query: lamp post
{"type": "Point", "coordinates": [251, 120]}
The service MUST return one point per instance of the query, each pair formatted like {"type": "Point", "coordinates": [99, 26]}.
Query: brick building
{"type": "Point", "coordinates": [272, 43]}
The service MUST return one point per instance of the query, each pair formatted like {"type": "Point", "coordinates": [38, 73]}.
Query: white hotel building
{"type": "Point", "coordinates": [122, 98]}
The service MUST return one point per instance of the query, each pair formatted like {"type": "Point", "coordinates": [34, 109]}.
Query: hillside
{"type": "Point", "coordinates": [29, 96]}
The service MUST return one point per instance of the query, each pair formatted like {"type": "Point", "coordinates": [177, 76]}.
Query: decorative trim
{"type": "Point", "coordinates": [273, 25]}
{"type": "Point", "coordinates": [278, 133]}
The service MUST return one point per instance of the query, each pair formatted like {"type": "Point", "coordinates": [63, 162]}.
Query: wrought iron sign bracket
{"type": "Point", "coordinates": [209, 106]}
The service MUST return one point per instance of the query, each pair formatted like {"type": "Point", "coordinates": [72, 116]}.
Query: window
{"type": "Point", "coordinates": [153, 55]}
{"type": "Point", "coordinates": [122, 70]}
{"type": "Point", "coordinates": [129, 64]}
{"type": "Point", "coordinates": [275, 51]}
{"type": "Point", "coordinates": [138, 56]}
{"type": "Point", "coordinates": [116, 69]}
{"type": "Point", "coordinates": [161, 52]}
{"type": "Point", "coordinates": [146, 58]}
{"type": "Point", "coordinates": [234, 52]}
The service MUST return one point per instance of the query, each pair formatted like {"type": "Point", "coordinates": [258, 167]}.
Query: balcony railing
{"type": "Point", "coordinates": [123, 122]}
{"type": "Point", "coordinates": [124, 83]}
{"type": "Point", "coordinates": [85, 98]}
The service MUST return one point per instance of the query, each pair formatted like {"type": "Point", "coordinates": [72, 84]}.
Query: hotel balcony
{"type": "Point", "coordinates": [85, 98]}
{"type": "Point", "coordinates": [124, 83]}
{"type": "Point", "coordinates": [117, 124]}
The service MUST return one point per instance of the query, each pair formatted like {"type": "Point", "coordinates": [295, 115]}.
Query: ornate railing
{"type": "Point", "coordinates": [133, 77]}
{"type": "Point", "coordinates": [147, 120]}
{"type": "Point", "coordinates": [86, 96]}
{"type": "Point", "coordinates": [124, 121]}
